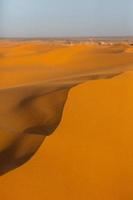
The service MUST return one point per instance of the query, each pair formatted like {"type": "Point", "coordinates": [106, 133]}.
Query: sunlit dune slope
{"type": "Point", "coordinates": [89, 156]}
{"type": "Point", "coordinates": [52, 61]}
{"type": "Point", "coordinates": [35, 80]}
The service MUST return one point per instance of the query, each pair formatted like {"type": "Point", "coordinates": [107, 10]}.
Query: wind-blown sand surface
{"type": "Point", "coordinates": [90, 154]}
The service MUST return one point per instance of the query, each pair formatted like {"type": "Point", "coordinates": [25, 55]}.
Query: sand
{"type": "Point", "coordinates": [88, 154]}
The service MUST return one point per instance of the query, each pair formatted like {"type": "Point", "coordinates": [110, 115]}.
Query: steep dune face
{"type": "Point", "coordinates": [25, 126]}
{"type": "Point", "coordinates": [34, 84]}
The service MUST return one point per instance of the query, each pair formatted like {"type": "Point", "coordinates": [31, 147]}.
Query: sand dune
{"type": "Point", "coordinates": [35, 80]}
{"type": "Point", "coordinates": [89, 155]}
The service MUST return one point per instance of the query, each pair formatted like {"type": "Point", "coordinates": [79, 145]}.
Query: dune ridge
{"type": "Point", "coordinates": [35, 80]}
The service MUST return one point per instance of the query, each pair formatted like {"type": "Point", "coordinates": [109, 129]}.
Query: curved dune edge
{"type": "Point", "coordinates": [33, 118]}
{"type": "Point", "coordinates": [90, 151]}
{"type": "Point", "coordinates": [32, 110]}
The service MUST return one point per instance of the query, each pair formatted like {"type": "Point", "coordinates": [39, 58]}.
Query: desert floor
{"type": "Point", "coordinates": [80, 96]}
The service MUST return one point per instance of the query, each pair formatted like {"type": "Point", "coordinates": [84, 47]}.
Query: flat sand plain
{"type": "Point", "coordinates": [79, 94]}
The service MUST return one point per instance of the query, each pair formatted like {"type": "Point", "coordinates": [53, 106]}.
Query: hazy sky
{"type": "Point", "coordinates": [47, 18]}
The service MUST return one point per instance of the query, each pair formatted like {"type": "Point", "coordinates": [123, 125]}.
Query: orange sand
{"type": "Point", "coordinates": [90, 154]}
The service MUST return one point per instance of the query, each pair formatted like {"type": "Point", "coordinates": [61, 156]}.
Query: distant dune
{"type": "Point", "coordinates": [36, 77]}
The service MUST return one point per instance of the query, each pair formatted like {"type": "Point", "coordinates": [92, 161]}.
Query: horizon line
{"type": "Point", "coordinates": [66, 37]}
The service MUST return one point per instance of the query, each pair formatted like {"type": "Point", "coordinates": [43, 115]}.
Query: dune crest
{"type": "Point", "coordinates": [35, 80]}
